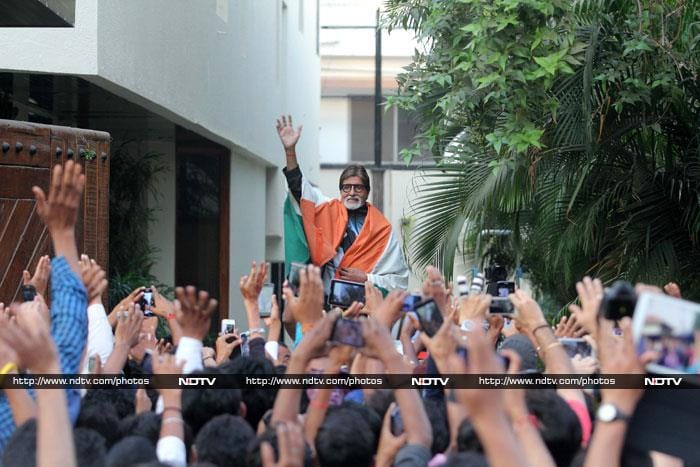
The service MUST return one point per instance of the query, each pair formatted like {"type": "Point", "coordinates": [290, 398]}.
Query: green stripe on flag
{"type": "Point", "coordinates": [296, 249]}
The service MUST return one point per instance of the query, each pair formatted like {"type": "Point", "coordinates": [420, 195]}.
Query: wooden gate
{"type": "Point", "coordinates": [27, 153]}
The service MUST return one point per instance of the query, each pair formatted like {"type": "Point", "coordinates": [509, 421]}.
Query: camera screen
{"type": "Point", "coordinates": [410, 302]}
{"type": "Point", "coordinates": [505, 288]}
{"type": "Point", "coordinates": [576, 346]}
{"type": "Point", "coordinates": [343, 293]}
{"type": "Point", "coordinates": [265, 300]}
{"type": "Point", "coordinates": [668, 329]}
{"type": "Point", "coordinates": [429, 316]}
{"type": "Point", "coordinates": [348, 332]}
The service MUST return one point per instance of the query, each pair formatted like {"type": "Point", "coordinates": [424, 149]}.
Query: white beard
{"type": "Point", "coordinates": [352, 204]}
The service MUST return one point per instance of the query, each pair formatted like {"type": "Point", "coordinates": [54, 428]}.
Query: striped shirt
{"type": "Point", "coordinates": [69, 332]}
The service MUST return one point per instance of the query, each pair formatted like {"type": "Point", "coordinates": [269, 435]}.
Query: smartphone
{"type": "Point", "coordinates": [576, 346]}
{"type": "Point", "coordinates": [429, 316]}
{"type": "Point", "coordinates": [228, 326]}
{"type": "Point", "coordinates": [397, 427]}
{"type": "Point", "coordinates": [348, 332]}
{"type": "Point", "coordinates": [501, 306]}
{"type": "Point", "coordinates": [147, 300]}
{"type": "Point", "coordinates": [265, 300]}
{"type": "Point", "coordinates": [343, 293]}
{"type": "Point", "coordinates": [667, 327]}
{"type": "Point", "coordinates": [293, 278]}
{"type": "Point", "coordinates": [28, 293]}
{"type": "Point", "coordinates": [411, 301]}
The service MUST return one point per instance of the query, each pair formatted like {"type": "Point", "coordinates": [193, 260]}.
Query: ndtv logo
{"type": "Point", "coordinates": [196, 381]}
{"type": "Point", "coordinates": [666, 381]}
{"type": "Point", "coordinates": [429, 381]}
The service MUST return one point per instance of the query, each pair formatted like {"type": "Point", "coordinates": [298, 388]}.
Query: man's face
{"type": "Point", "coordinates": [353, 193]}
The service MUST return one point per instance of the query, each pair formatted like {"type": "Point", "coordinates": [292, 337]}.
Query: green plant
{"type": "Point", "coordinates": [583, 142]}
{"type": "Point", "coordinates": [131, 254]}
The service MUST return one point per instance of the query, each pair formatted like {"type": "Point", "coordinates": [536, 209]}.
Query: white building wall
{"type": "Point", "coordinates": [334, 141]}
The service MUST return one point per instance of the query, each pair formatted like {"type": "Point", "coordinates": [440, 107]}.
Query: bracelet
{"type": "Point", "coordinates": [178, 409]}
{"type": "Point", "coordinates": [257, 330]}
{"type": "Point", "coordinates": [540, 327]}
{"type": "Point", "coordinates": [170, 316]}
{"type": "Point", "coordinates": [172, 420]}
{"type": "Point", "coordinates": [551, 346]}
{"type": "Point", "coordinates": [8, 368]}
{"type": "Point", "coordinates": [319, 405]}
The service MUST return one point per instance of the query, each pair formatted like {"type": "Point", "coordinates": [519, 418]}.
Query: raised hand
{"type": "Point", "coordinates": [225, 345]}
{"type": "Point", "coordinates": [31, 342]}
{"type": "Point", "coordinates": [251, 284]}
{"type": "Point", "coordinates": [434, 287]}
{"type": "Point", "coordinates": [290, 444]}
{"type": "Point", "coordinates": [353, 275]}
{"type": "Point", "coordinates": [285, 130]}
{"type": "Point", "coordinates": [528, 314]}
{"type": "Point", "coordinates": [161, 305]}
{"type": "Point", "coordinates": [128, 326]}
{"type": "Point", "coordinates": [390, 309]}
{"type": "Point", "coordinates": [673, 290]}
{"type": "Point", "coordinates": [193, 311]}
{"type": "Point", "coordinates": [308, 306]}
{"type": "Point", "coordinates": [590, 294]}
{"type": "Point", "coordinates": [59, 211]}
{"type": "Point", "coordinates": [473, 307]}
{"type": "Point", "coordinates": [94, 278]}
{"type": "Point", "coordinates": [129, 300]}
{"type": "Point", "coordinates": [40, 279]}
{"type": "Point", "coordinates": [389, 445]}
{"type": "Point", "coordinates": [373, 297]}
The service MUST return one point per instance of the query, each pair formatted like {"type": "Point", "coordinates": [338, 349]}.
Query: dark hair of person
{"type": "Point", "coordinates": [102, 418]}
{"type": "Point", "coordinates": [202, 404]}
{"type": "Point", "coordinates": [558, 424]}
{"type": "Point", "coordinates": [131, 450]}
{"type": "Point", "coordinates": [355, 170]}
{"type": "Point", "coordinates": [368, 415]}
{"type": "Point", "coordinates": [380, 400]}
{"type": "Point", "coordinates": [224, 441]}
{"type": "Point", "coordinates": [437, 414]}
{"type": "Point", "coordinates": [467, 438]}
{"type": "Point", "coordinates": [345, 440]}
{"type": "Point", "coordinates": [90, 447]}
{"type": "Point", "coordinates": [20, 450]}
{"type": "Point", "coordinates": [270, 436]}
{"type": "Point", "coordinates": [257, 400]}
{"type": "Point", "coordinates": [146, 424]}
{"type": "Point", "coordinates": [121, 399]}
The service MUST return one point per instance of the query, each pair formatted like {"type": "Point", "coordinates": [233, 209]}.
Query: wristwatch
{"type": "Point", "coordinates": [608, 413]}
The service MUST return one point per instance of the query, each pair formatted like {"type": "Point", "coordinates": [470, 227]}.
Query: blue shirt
{"type": "Point", "coordinates": [69, 328]}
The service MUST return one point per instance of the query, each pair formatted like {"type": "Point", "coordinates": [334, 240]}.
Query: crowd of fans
{"type": "Point", "coordinates": [293, 426]}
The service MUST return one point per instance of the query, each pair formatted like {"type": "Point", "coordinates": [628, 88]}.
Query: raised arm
{"type": "Point", "coordinates": [289, 137]}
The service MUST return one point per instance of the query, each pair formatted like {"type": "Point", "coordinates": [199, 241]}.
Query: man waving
{"type": "Point", "coordinates": [348, 237]}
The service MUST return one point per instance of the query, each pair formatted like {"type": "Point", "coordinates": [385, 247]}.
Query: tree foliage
{"type": "Point", "coordinates": [575, 124]}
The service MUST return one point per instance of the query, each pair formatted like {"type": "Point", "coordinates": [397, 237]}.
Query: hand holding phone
{"type": "Point", "coordinates": [228, 326]}
{"type": "Point", "coordinates": [146, 302]}
{"type": "Point", "coordinates": [343, 293]}
{"type": "Point", "coordinates": [429, 316]}
{"type": "Point", "coordinates": [348, 332]}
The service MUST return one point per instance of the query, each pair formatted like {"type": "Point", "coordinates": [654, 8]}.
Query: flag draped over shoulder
{"type": "Point", "coordinates": [315, 227]}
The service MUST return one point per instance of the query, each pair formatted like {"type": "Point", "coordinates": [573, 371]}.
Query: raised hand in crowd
{"type": "Point", "coordinates": [568, 326]}
{"type": "Point", "coordinates": [435, 287]}
{"type": "Point", "coordinates": [126, 336]}
{"type": "Point", "coordinates": [409, 326]}
{"type": "Point", "coordinates": [389, 444]}
{"type": "Point", "coordinates": [250, 286]}
{"type": "Point", "coordinates": [59, 210]}
{"type": "Point", "coordinates": [290, 447]}
{"type": "Point", "coordinates": [193, 311]}
{"type": "Point", "coordinates": [617, 356]}
{"type": "Point", "coordinates": [289, 138]}
{"type": "Point", "coordinates": [94, 278]}
{"type": "Point", "coordinates": [373, 297]}
{"type": "Point", "coordinates": [353, 275]}
{"type": "Point", "coordinates": [307, 308]}
{"type": "Point", "coordinates": [142, 403]}
{"type": "Point", "coordinates": [473, 307]}
{"type": "Point", "coordinates": [127, 301]}
{"type": "Point", "coordinates": [225, 345]}
{"type": "Point", "coordinates": [389, 310]}
{"type": "Point", "coordinates": [590, 295]}
{"type": "Point", "coordinates": [35, 350]}
{"type": "Point", "coordinates": [40, 279]}
{"type": "Point", "coordinates": [171, 445]}
{"type": "Point", "coordinates": [274, 321]}
{"type": "Point", "coordinates": [166, 309]}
